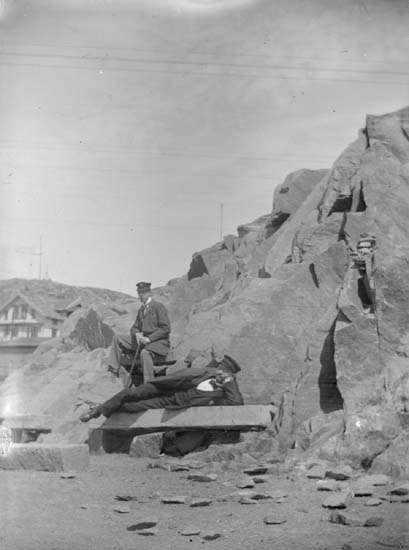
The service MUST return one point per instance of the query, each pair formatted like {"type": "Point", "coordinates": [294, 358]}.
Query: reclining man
{"type": "Point", "coordinates": [149, 333]}
{"type": "Point", "coordinates": [190, 387]}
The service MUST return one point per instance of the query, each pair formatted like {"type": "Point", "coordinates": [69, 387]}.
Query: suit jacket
{"type": "Point", "coordinates": [182, 386]}
{"type": "Point", "coordinates": [153, 321]}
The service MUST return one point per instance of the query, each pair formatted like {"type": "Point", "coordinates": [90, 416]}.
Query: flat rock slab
{"type": "Point", "coordinates": [46, 457]}
{"type": "Point", "coordinates": [216, 417]}
{"type": "Point", "coordinates": [39, 423]}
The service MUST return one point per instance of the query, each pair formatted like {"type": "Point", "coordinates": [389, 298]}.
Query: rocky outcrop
{"type": "Point", "coordinates": [316, 317]}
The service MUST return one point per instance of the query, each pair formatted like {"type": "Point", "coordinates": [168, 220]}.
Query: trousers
{"type": "Point", "coordinates": [146, 357]}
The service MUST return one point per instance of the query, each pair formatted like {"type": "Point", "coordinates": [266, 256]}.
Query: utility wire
{"type": "Point", "coordinates": [253, 76]}
{"type": "Point", "coordinates": [183, 62]}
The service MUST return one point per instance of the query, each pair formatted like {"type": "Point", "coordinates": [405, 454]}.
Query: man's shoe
{"type": "Point", "coordinates": [94, 412]}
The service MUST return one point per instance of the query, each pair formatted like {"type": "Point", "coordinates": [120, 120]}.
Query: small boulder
{"type": "Point", "coordinates": [245, 482]}
{"type": "Point", "coordinates": [190, 531]}
{"type": "Point", "coordinates": [341, 499]}
{"type": "Point", "coordinates": [204, 478]}
{"type": "Point", "coordinates": [143, 524]}
{"type": "Point", "coordinates": [373, 502]}
{"type": "Point", "coordinates": [174, 499]}
{"type": "Point", "coordinates": [198, 502]}
{"type": "Point", "coordinates": [316, 472]}
{"type": "Point", "coordinates": [401, 490]}
{"type": "Point", "coordinates": [211, 535]}
{"type": "Point", "coordinates": [273, 520]}
{"type": "Point", "coordinates": [375, 479]}
{"type": "Point", "coordinates": [327, 485]}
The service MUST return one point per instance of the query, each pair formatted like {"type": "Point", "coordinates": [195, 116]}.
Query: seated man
{"type": "Point", "coordinates": [191, 387]}
{"type": "Point", "coordinates": [149, 333]}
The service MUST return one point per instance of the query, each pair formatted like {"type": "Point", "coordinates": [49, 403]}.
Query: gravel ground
{"type": "Point", "coordinates": [41, 510]}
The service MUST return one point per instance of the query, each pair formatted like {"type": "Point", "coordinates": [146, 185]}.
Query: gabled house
{"type": "Point", "coordinates": [24, 324]}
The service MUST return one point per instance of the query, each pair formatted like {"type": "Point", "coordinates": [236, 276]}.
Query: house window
{"type": "Point", "coordinates": [14, 332]}
{"type": "Point", "coordinates": [54, 332]}
{"type": "Point", "coordinates": [15, 313]}
{"type": "Point", "coordinates": [32, 313]}
{"type": "Point", "coordinates": [33, 332]}
{"type": "Point", "coordinates": [24, 311]}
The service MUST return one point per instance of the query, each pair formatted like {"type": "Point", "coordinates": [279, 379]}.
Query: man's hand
{"type": "Point", "coordinates": [143, 340]}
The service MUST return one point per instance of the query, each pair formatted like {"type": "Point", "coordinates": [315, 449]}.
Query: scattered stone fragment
{"type": "Point", "coordinates": [327, 485]}
{"type": "Point", "coordinates": [342, 499]}
{"type": "Point", "coordinates": [148, 532]}
{"type": "Point", "coordinates": [190, 531]}
{"type": "Point", "coordinates": [345, 519]}
{"type": "Point", "coordinates": [211, 535]}
{"type": "Point", "coordinates": [400, 542]}
{"type": "Point", "coordinates": [260, 496]}
{"type": "Point", "coordinates": [125, 498]}
{"type": "Point", "coordinates": [373, 522]}
{"type": "Point", "coordinates": [67, 475]}
{"type": "Point", "coordinates": [339, 474]}
{"type": "Point", "coordinates": [194, 464]}
{"type": "Point", "coordinates": [346, 547]}
{"type": "Point", "coordinates": [122, 509]}
{"type": "Point", "coordinates": [362, 490]}
{"type": "Point", "coordinates": [142, 524]}
{"type": "Point", "coordinates": [373, 502]}
{"type": "Point", "coordinates": [160, 465]}
{"type": "Point", "coordinates": [245, 482]}
{"type": "Point", "coordinates": [316, 472]}
{"type": "Point", "coordinates": [178, 468]}
{"type": "Point", "coordinates": [174, 499]}
{"type": "Point", "coordinates": [396, 498]}
{"type": "Point", "coordinates": [278, 494]}
{"type": "Point", "coordinates": [246, 500]}
{"type": "Point", "coordinates": [205, 478]}
{"type": "Point", "coordinates": [400, 489]}
{"type": "Point", "coordinates": [374, 479]}
{"type": "Point", "coordinates": [256, 470]}
{"type": "Point", "coordinates": [196, 502]}
{"type": "Point", "coordinates": [274, 520]}
{"type": "Point", "coordinates": [259, 479]}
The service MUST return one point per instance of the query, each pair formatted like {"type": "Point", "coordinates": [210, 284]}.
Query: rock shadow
{"type": "Point", "coordinates": [330, 396]}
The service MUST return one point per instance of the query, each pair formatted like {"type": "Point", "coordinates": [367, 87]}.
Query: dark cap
{"type": "Point", "coordinates": [143, 287]}
{"type": "Point", "coordinates": [229, 364]}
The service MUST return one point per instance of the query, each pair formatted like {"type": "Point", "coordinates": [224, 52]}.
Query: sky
{"type": "Point", "coordinates": [135, 133]}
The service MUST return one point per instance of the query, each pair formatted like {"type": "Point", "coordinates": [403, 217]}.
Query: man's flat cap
{"type": "Point", "coordinates": [230, 364]}
{"type": "Point", "coordinates": [143, 287]}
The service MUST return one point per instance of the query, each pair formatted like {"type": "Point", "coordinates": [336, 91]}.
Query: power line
{"type": "Point", "coordinates": [217, 54]}
{"type": "Point", "coordinates": [183, 62]}
{"type": "Point", "coordinates": [206, 74]}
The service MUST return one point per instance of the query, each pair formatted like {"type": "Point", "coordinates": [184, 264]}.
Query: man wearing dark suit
{"type": "Point", "coordinates": [192, 387]}
{"type": "Point", "coordinates": [150, 332]}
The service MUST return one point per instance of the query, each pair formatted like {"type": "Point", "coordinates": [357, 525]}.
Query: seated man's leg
{"type": "Point", "coordinates": [128, 395]}
{"type": "Point", "coordinates": [119, 342]}
{"type": "Point", "coordinates": [147, 365]}
{"type": "Point", "coordinates": [160, 402]}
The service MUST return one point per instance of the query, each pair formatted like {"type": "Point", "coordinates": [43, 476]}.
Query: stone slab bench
{"type": "Point", "coordinates": [45, 457]}
{"type": "Point", "coordinates": [26, 427]}
{"type": "Point", "coordinates": [243, 417]}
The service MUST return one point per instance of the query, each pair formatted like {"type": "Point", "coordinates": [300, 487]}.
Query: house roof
{"type": "Point", "coordinates": [42, 304]}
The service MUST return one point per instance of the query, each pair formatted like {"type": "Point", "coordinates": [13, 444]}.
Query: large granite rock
{"type": "Point", "coordinates": [323, 336]}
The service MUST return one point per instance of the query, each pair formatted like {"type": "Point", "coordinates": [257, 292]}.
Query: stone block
{"type": "Point", "coordinates": [148, 445]}
{"type": "Point", "coordinates": [212, 417]}
{"type": "Point", "coordinates": [46, 457]}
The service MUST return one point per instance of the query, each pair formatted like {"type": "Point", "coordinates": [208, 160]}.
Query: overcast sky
{"type": "Point", "coordinates": [125, 124]}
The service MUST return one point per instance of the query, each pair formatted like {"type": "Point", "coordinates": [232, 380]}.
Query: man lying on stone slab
{"type": "Point", "coordinates": [214, 384]}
